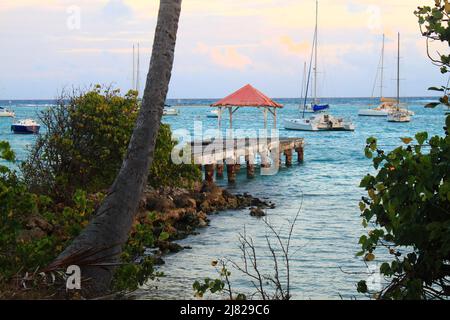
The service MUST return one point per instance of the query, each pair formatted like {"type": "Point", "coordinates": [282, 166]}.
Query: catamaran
{"type": "Point", "coordinates": [320, 122]}
{"type": "Point", "coordinates": [399, 115]}
{"type": "Point", "coordinates": [387, 105]}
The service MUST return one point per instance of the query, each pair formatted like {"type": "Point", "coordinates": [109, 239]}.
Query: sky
{"type": "Point", "coordinates": [52, 45]}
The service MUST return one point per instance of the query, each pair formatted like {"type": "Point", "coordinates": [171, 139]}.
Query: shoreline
{"type": "Point", "coordinates": [181, 212]}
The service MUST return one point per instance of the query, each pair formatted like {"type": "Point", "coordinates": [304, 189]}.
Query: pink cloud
{"type": "Point", "coordinates": [225, 56]}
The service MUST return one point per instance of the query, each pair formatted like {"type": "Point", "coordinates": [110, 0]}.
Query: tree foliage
{"type": "Point", "coordinates": [408, 205]}
{"type": "Point", "coordinates": [86, 137]}
{"type": "Point", "coordinates": [434, 26]}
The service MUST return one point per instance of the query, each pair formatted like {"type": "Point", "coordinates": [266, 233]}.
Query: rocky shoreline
{"type": "Point", "coordinates": [181, 212]}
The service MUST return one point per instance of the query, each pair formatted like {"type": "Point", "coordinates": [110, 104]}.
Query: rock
{"type": "Point", "coordinates": [202, 223]}
{"type": "Point", "coordinates": [257, 212]}
{"type": "Point", "coordinates": [166, 246]}
{"type": "Point", "coordinates": [184, 201]}
{"type": "Point", "coordinates": [160, 204]}
{"type": "Point", "coordinates": [205, 206]}
{"type": "Point", "coordinates": [232, 203]}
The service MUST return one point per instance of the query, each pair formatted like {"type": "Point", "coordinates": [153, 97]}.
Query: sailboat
{"type": "Point", "coordinates": [399, 115]}
{"type": "Point", "coordinates": [387, 105]}
{"type": "Point", "coordinates": [308, 108]}
{"type": "Point", "coordinates": [320, 122]}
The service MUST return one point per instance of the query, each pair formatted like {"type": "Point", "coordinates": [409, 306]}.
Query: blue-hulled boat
{"type": "Point", "coordinates": [320, 107]}
{"type": "Point", "coordinates": [27, 126]}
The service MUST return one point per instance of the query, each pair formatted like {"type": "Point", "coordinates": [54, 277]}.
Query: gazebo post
{"type": "Point", "coordinates": [230, 109]}
{"type": "Point", "coordinates": [274, 118]}
{"type": "Point", "coordinates": [265, 117]}
{"type": "Point", "coordinates": [219, 118]}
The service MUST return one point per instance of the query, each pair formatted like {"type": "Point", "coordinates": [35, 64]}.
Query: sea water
{"type": "Point", "coordinates": [325, 188]}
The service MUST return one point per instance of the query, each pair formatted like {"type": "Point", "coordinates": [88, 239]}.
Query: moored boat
{"type": "Point", "coordinates": [168, 111]}
{"type": "Point", "coordinates": [6, 113]}
{"type": "Point", "coordinates": [27, 126]}
{"type": "Point", "coordinates": [321, 122]}
{"type": "Point", "coordinates": [399, 115]}
{"type": "Point", "coordinates": [213, 114]}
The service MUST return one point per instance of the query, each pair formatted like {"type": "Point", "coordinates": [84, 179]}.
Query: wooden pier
{"type": "Point", "coordinates": [216, 155]}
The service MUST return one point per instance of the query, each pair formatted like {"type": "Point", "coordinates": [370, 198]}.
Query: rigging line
{"type": "Point", "coordinates": [309, 75]}
{"type": "Point", "coordinates": [376, 78]}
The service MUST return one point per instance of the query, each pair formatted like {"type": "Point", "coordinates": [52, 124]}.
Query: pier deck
{"type": "Point", "coordinates": [214, 155]}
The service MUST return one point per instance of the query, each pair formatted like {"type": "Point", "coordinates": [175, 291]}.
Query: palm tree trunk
{"type": "Point", "coordinates": [97, 249]}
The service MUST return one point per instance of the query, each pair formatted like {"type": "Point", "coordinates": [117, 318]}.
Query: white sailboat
{"type": "Point", "coordinates": [399, 115]}
{"type": "Point", "coordinates": [320, 122]}
{"type": "Point", "coordinates": [387, 105]}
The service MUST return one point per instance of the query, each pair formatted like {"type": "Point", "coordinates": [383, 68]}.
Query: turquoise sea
{"type": "Point", "coordinates": [325, 186]}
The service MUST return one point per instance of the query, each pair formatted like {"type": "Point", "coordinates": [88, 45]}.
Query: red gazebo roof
{"type": "Point", "coordinates": [247, 96]}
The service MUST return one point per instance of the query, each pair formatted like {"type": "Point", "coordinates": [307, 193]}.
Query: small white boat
{"type": "Point", "coordinates": [27, 126]}
{"type": "Point", "coordinates": [321, 122]}
{"type": "Point", "coordinates": [171, 112]}
{"type": "Point", "coordinates": [213, 114]}
{"type": "Point", "coordinates": [6, 113]}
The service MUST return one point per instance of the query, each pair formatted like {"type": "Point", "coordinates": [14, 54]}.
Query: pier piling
{"type": "Point", "coordinates": [219, 171]}
{"type": "Point", "coordinates": [231, 173]}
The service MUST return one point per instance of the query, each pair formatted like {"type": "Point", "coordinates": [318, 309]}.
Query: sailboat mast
{"type": "Point", "coordinates": [382, 68]}
{"type": "Point", "coordinates": [315, 53]}
{"type": "Point", "coordinates": [398, 72]}
{"type": "Point", "coordinates": [137, 71]}
{"type": "Point", "coordinates": [134, 70]}
{"type": "Point", "coordinates": [303, 81]}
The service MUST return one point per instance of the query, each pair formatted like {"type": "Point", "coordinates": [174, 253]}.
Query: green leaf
{"type": "Point", "coordinates": [406, 140]}
{"type": "Point", "coordinates": [432, 105]}
{"type": "Point", "coordinates": [436, 89]}
{"type": "Point", "coordinates": [421, 137]}
{"type": "Point", "coordinates": [164, 236]}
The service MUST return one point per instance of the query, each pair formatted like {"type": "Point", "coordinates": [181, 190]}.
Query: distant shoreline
{"type": "Point", "coordinates": [216, 99]}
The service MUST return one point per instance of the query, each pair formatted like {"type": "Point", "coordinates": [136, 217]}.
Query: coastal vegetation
{"type": "Point", "coordinates": [408, 202]}
{"type": "Point", "coordinates": [47, 204]}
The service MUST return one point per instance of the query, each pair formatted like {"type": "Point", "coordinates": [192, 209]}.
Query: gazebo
{"type": "Point", "coordinates": [247, 96]}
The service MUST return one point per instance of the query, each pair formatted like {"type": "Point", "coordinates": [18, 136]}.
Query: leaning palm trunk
{"type": "Point", "coordinates": [97, 249]}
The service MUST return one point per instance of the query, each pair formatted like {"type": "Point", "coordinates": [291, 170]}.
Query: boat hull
{"type": "Point", "coordinates": [300, 125]}
{"type": "Point", "coordinates": [21, 129]}
{"type": "Point", "coordinates": [373, 113]}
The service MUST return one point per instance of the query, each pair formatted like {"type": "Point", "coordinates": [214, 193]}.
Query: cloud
{"type": "Point", "coordinates": [224, 56]}
{"type": "Point", "coordinates": [293, 47]}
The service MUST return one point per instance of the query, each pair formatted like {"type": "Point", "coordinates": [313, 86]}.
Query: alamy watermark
{"type": "Point", "coordinates": [73, 281]}
{"type": "Point", "coordinates": [73, 21]}
{"type": "Point", "coordinates": [234, 146]}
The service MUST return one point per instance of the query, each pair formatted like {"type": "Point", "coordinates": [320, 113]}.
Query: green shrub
{"type": "Point", "coordinates": [409, 205]}
{"type": "Point", "coordinates": [163, 172]}
{"type": "Point", "coordinates": [86, 137]}
{"type": "Point", "coordinates": [33, 230]}
{"type": "Point", "coordinates": [85, 142]}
